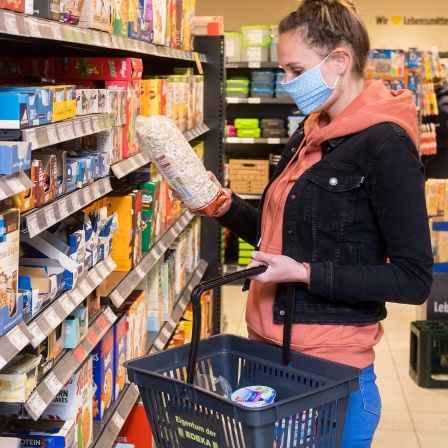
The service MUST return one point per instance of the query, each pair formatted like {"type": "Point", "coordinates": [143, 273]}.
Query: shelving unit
{"type": "Point", "coordinates": [32, 36]}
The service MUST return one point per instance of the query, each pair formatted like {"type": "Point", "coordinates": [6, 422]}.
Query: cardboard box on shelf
{"type": "Point", "coordinates": [59, 103]}
{"type": "Point", "coordinates": [86, 101]}
{"type": "Point", "coordinates": [18, 110]}
{"type": "Point", "coordinates": [74, 402]}
{"type": "Point", "coordinates": [76, 326]}
{"type": "Point", "coordinates": [11, 304]}
{"type": "Point", "coordinates": [103, 375]}
{"type": "Point", "coordinates": [96, 14]}
{"type": "Point", "coordinates": [180, 247]}
{"type": "Point", "coordinates": [119, 330]}
{"type": "Point", "coordinates": [44, 178]}
{"type": "Point", "coordinates": [54, 163]}
{"type": "Point", "coordinates": [38, 283]}
{"type": "Point", "coordinates": [136, 428]}
{"type": "Point", "coordinates": [154, 297]}
{"type": "Point", "coordinates": [14, 157]}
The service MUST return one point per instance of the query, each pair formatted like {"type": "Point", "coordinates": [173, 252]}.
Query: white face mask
{"type": "Point", "coordinates": [309, 90]}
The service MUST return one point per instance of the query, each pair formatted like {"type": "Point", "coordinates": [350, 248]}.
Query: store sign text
{"type": "Point", "coordinates": [383, 20]}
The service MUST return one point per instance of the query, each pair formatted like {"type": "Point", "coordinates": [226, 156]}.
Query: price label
{"type": "Point", "coordinates": [111, 317]}
{"type": "Point", "coordinates": [32, 225]}
{"type": "Point", "coordinates": [38, 335]}
{"type": "Point", "coordinates": [53, 383]}
{"type": "Point", "coordinates": [3, 362]}
{"type": "Point", "coordinates": [232, 100]}
{"type": "Point", "coordinates": [93, 337]}
{"type": "Point", "coordinates": [254, 100]}
{"type": "Point", "coordinates": [36, 404]}
{"type": "Point", "coordinates": [87, 198]}
{"type": "Point", "coordinates": [77, 295]}
{"type": "Point", "coordinates": [50, 218]}
{"type": "Point", "coordinates": [254, 65]}
{"type": "Point", "coordinates": [96, 193]}
{"type": "Point", "coordinates": [77, 125]}
{"type": "Point", "coordinates": [110, 263]}
{"type": "Point", "coordinates": [75, 201]}
{"type": "Point", "coordinates": [116, 298]}
{"type": "Point", "coordinates": [249, 141]}
{"type": "Point", "coordinates": [117, 169]}
{"type": "Point", "coordinates": [80, 353]}
{"type": "Point", "coordinates": [140, 272]}
{"type": "Point", "coordinates": [88, 127]}
{"type": "Point", "coordinates": [101, 321]}
{"type": "Point", "coordinates": [66, 304]}
{"type": "Point", "coordinates": [56, 31]}
{"type": "Point", "coordinates": [17, 338]}
{"type": "Point", "coordinates": [118, 420]}
{"type": "Point", "coordinates": [103, 270]}
{"type": "Point", "coordinates": [52, 318]}
{"type": "Point", "coordinates": [63, 210]}
{"type": "Point", "coordinates": [105, 39]}
{"type": "Point", "coordinates": [96, 124]}
{"type": "Point", "coordinates": [14, 183]}
{"type": "Point", "coordinates": [52, 135]}
{"type": "Point", "coordinates": [85, 287]}
{"type": "Point", "coordinates": [33, 28]}
{"type": "Point", "coordinates": [10, 23]}
{"type": "Point", "coordinates": [65, 132]}
{"type": "Point", "coordinates": [95, 277]}
{"type": "Point", "coordinates": [30, 136]}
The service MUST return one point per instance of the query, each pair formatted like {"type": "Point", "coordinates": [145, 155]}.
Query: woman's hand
{"type": "Point", "coordinates": [281, 269]}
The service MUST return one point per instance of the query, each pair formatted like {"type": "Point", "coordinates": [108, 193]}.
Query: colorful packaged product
{"type": "Point", "coordinates": [119, 330]}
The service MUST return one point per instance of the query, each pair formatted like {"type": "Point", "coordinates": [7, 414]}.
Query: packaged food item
{"type": "Point", "coordinates": [176, 161]}
{"type": "Point", "coordinates": [254, 396]}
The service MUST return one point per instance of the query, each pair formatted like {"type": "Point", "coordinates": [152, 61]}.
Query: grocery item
{"type": "Point", "coordinates": [176, 161]}
{"type": "Point", "coordinates": [254, 396]}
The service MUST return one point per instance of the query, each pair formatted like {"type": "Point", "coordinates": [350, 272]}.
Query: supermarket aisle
{"type": "Point", "coordinates": [413, 417]}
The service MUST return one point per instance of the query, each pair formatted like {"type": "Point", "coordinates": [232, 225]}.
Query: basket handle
{"type": "Point", "coordinates": [195, 298]}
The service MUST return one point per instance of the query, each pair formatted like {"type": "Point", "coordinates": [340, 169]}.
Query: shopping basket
{"type": "Point", "coordinates": [311, 394]}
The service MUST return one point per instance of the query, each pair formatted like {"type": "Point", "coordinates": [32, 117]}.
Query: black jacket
{"type": "Point", "coordinates": [362, 203]}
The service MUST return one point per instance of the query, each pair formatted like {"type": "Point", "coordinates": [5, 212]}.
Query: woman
{"type": "Point", "coordinates": [344, 216]}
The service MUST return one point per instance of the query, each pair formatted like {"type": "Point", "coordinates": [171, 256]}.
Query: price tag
{"type": "Point", "coordinates": [166, 333]}
{"type": "Point", "coordinates": [140, 272]}
{"type": "Point", "coordinates": [105, 38]}
{"type": "Point", "coordinates": [77, 295]}
{"type": "Point", "coordinates": [36, 404]}
{"type": "Point", "coordinates": [3, 362]}
{"type": "Point", "coordinates": [110, 263]}
{"type": "Point", "coordinates": [52, 135]}
{"type": "Point", "coordinates": [118, 420]}
{"type": "Point", "coordinates": [52, 318]}
{"type": "Point", "coordinates": [95, 277]}
{"type": "Point", "coordinates": [85, 287]}
{"type": "Point", "coordinates": [75, 201]}
{"type": "Point", "coordinates": [254, 100]}
{"type": "Point", "coordinates": [117, 169]}
{"type": "Point", "coordinates": [254, 65]}
{"type": "Point", "coordinates": [249, 141]}
{"type": "Point", "coordinates": [116, 298]}
{"type": "Point", "coordinates": [101, 321]}
{"type": "Point", "coordinates": [96, 193]}
{"type": "Point", "coordinates": [87, 197]}
{"type": "Point", "coordinates": [69, 35]}
{"type": "Point", "coordinates": [14, 183]}
{"type": "Point", "coordinates": [104, 272]}
{"type": "Point", "coordinates": [56, 31]}
{"type": "Point", "coordinates": [88, 127]}
{"type": "Point", "coordinates": [30, 136]}
{"type": "Point", "coordinates": [65, 132]}
{"type": "Point", "coordinates": [93, 337]}
{"type": "Point", "coordinates": [33, 27]}
{"type": "Point", "coordinates": [111, 317]}
{"type": "Point", "coordinates": [273, 141]}
{"type": "Point", "coordinates": [80, 353]}
{"type": "Point", "coordinates": [66, 304]}
{"type": "Point", "coordinates": [63, 210]}
{"type": "Point", "coordinates": [10, 23]}
{"type": "Point", "coordinates": [53, 383]}
{"type": "Point", "coordinates": [17, 338]}
{"type": "Point", "coordinates": [50, 218]}
{"type": "Point", "coordinates": [38, 335]}
{"type": "Point", "coordinates": [96, 124]}
{"type": "Point", "coordinates": [32, 225]}
{"type": "Point", "coordinates": [232, 100]}
{"type": "Point", "coordinates": [78, 129]}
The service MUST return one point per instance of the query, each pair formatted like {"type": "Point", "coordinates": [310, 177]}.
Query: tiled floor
{"type": "Point", "coordinates": [412, 417]}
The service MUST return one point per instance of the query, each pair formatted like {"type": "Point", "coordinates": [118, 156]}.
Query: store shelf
{"type": "Point", "coordinates": [63, 131]}
{"type": "Point", "coordinates": [168, 328]}
{"type": "Point", "coordinates": [250, 197]}
{"type": "Point", "coordinates": [45, 392]}
{"type": "Point", "coordinates": [28, 26]}
{"type": "Point", "coordinates": [256, 100]}
{"type": "Point", "coordinates": [13, 342]}
{"type": "Point", "coordinates": [129, 283]}
{"type": "Point", "coordinates": [106, 430]}
{"type": "Point", "coordinates": [196, 132]}
{"type": "Point", "coordinates": [12, 184]}
{"type": "Point", "coordinates": [252, 65]}
{"type": "Point", "coordinates": [261, 141]}
{"type": "Point", "coordinates": [44, 217]}
{"type": "Point", "coordinates": [124, 167]}
{"type": "Point", "coordinates": [45, 322]}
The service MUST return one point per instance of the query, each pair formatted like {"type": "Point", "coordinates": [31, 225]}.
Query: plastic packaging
{"type": "Point", "coordinates": [217, 385]}
{"type": "Point", "coordinates": [254, 396]}
{"type": "Point", "coordinates": [176, 161]}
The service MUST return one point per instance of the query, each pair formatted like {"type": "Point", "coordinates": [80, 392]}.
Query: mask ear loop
{"type": "Point", "coordinates": [337, 79]}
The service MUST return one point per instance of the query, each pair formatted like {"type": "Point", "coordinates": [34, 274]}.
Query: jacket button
{"type": "Point", "coordinates": [282, 312]}
{"type": "Point", "coordinates": [293, 150]}
{"type": "Point", "coordinates": [333, 181]}
{"type": "Point", "coordinates": [290, 232]}
{"type": "Point", "coordinates": [293, 196]}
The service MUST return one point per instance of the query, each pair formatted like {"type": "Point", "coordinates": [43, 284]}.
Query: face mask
{"type": "Point", "coordinates": [309, 90]}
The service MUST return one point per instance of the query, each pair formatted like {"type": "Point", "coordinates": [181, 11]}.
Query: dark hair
{"type": "Point", "coordinates": [325, 24]}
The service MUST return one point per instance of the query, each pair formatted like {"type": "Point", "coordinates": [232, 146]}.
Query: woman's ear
{"type": "Point", "coordinates": [342, 57]}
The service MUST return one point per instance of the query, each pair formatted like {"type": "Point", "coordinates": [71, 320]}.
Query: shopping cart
{"type": "Point", "coordinates": [311, 394]}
